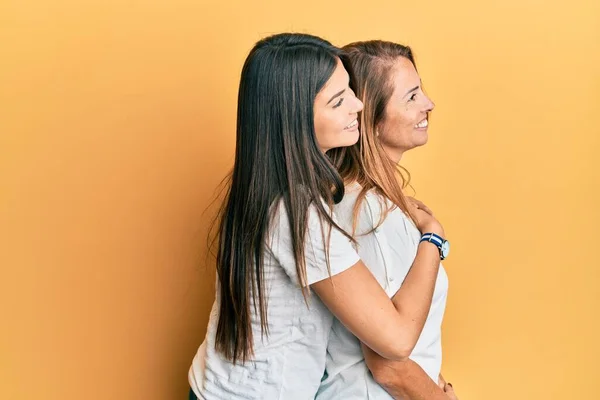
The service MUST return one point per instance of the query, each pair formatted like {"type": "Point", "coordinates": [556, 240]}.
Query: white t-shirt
{"type": "Point", "coordinates": [389, 253]}
{"type": "Point", "coordinates": [289, 363]}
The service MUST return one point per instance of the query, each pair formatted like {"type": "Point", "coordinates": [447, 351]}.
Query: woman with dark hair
{"type": "Point", "coordinates": [278, 241]}
{"type": "Point", "coordinates": [375, 210]}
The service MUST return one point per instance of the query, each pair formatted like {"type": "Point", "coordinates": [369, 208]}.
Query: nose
{"type": "Point", "coordinates": [357, 106]}
{"type": "Point", "coordinates": [429, 105]}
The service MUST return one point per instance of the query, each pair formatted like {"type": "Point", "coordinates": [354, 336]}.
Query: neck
{"type": "Point", "coordinates": [394, 154]}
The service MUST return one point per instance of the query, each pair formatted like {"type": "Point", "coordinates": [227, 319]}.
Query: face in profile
{"type": "Point", "coordinates": [336, 111]}
{"type": "Point", "coordinates": [406, 119]}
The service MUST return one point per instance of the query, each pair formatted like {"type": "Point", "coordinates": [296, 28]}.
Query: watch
{"type": "Point", "coordinates": [442, 244]}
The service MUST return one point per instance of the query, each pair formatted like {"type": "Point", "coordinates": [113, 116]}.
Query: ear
{"type": "Point", "coordinates": [378, 129]}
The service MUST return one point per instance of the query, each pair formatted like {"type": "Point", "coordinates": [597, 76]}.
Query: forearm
{"type": "Point", "coordinates": [406, 380]}
{"type": "Point", "coordinates": [413, 299]}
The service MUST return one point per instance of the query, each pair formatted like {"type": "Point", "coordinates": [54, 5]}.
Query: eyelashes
{"type": "Point", "coordinates": [338, 103]}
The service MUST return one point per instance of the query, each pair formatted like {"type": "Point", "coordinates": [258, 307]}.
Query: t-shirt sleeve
{"type": "Point", "coordinates": [341, 252]}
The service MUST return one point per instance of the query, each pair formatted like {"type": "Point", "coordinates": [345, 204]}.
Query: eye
{"type": "Point", "coordinates": [339, 103]}
{"type": "Point", "coordinates": [413, 97]}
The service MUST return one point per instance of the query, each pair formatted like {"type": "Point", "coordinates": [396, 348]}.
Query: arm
{"type": "Point", "coordinates": [390, 328]}
{"type": "Point", "coordinates": [413, 299]}
{"type": "Point", "coordinates": [403, 380]}
{"type": "Point", "coordinates": [349, 289]}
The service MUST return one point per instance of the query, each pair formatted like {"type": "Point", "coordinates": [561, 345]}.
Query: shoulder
{"type": "Point", "coordinates": [279, 216]}
{"type": "Point", "coordinates": [372, 205]}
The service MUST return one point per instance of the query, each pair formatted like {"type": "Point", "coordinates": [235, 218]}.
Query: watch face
{"type": "Point", "coordinates": [445, 248]}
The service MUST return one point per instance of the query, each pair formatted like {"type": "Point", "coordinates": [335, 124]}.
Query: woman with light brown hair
{"type": "Point", "coordinates": [383, 222]}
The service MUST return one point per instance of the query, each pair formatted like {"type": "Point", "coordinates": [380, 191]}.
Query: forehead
{"type": "Point", "coordinates": [404, 75]}
{"type": "Point", "coordinates": [338, 81]}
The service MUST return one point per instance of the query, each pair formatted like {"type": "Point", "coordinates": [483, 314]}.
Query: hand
{"type": "Point", "coordinates": [419, 204]}
{"type": "Point", "coordinates": [447, 388]}
{"type": "Point", "coordinates": [424, 218]}
{"type": "Point", "coordinates": [441, 382]}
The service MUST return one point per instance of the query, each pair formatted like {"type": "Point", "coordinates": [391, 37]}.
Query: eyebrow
{"type": "Point", "coordinates": [338, 94]}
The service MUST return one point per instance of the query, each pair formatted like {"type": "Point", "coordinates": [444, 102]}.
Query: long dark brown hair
{"type": "Point", "coordinates": [370, 65]}
{"type": "Point", "coordinates": [277, 160]}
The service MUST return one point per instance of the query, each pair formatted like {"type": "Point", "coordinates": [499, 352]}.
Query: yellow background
{"type": "Point", "coordinates": [117, 122]}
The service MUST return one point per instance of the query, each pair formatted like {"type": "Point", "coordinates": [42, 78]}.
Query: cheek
{"type": "Point", "coordinates": [397, 125]}
{"type": "Point", "coordinates": [320, 125]}
{"type": "Point", "coordinates": [405, 123]}
{"type": "Point", "coordinates": [323, 129]}
{"type": "Point", "coordinates": [335, 122]}
{"type": "Point", "coordinates": [409, 116]}
{"type": "Point", "coordinates": [400, 115]}
{"type": "Point", "coordinates": [400, 133]}
{"type": "Point", "coordinates": [331, 125]}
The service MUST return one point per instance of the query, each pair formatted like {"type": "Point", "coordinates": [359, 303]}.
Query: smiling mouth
{"type": "Point", "coordinates": [352, 124]}
{"type": "Point", "coordinates": [422, 124]}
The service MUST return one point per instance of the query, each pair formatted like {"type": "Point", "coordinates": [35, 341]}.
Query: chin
{"type": "Point", "coordinates": [346, 139]}
{"type": "Point", "coordinates": [350, 138]}
{"type": "Point", "coordinates": [421, 139]}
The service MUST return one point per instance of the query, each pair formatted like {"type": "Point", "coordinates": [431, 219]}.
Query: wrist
{"type": "Point", "coordinates": [434, 228]}
{"type": "Point", "coordinates": [438, 241]}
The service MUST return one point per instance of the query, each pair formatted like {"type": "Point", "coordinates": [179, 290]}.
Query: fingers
{"type": "Point", "coordinates": [412, 203]}
{"type": "Point", "coordinates": [442, 382]}
{"type": "Point", "coordinates": [422, 219]}
{"type": "Point", "coordinates": [419, 204]}
{"type": "Point", "coordinates": [449, 390]}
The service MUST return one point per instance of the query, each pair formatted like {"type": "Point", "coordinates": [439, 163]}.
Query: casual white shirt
{"type": "Point", "coordinates": [388, 252]}
{"type": "Point", "coordinates": [288, 363]}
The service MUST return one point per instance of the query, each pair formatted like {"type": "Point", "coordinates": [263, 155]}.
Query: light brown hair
{"type": "Point", "coordinates": [370, 65]}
